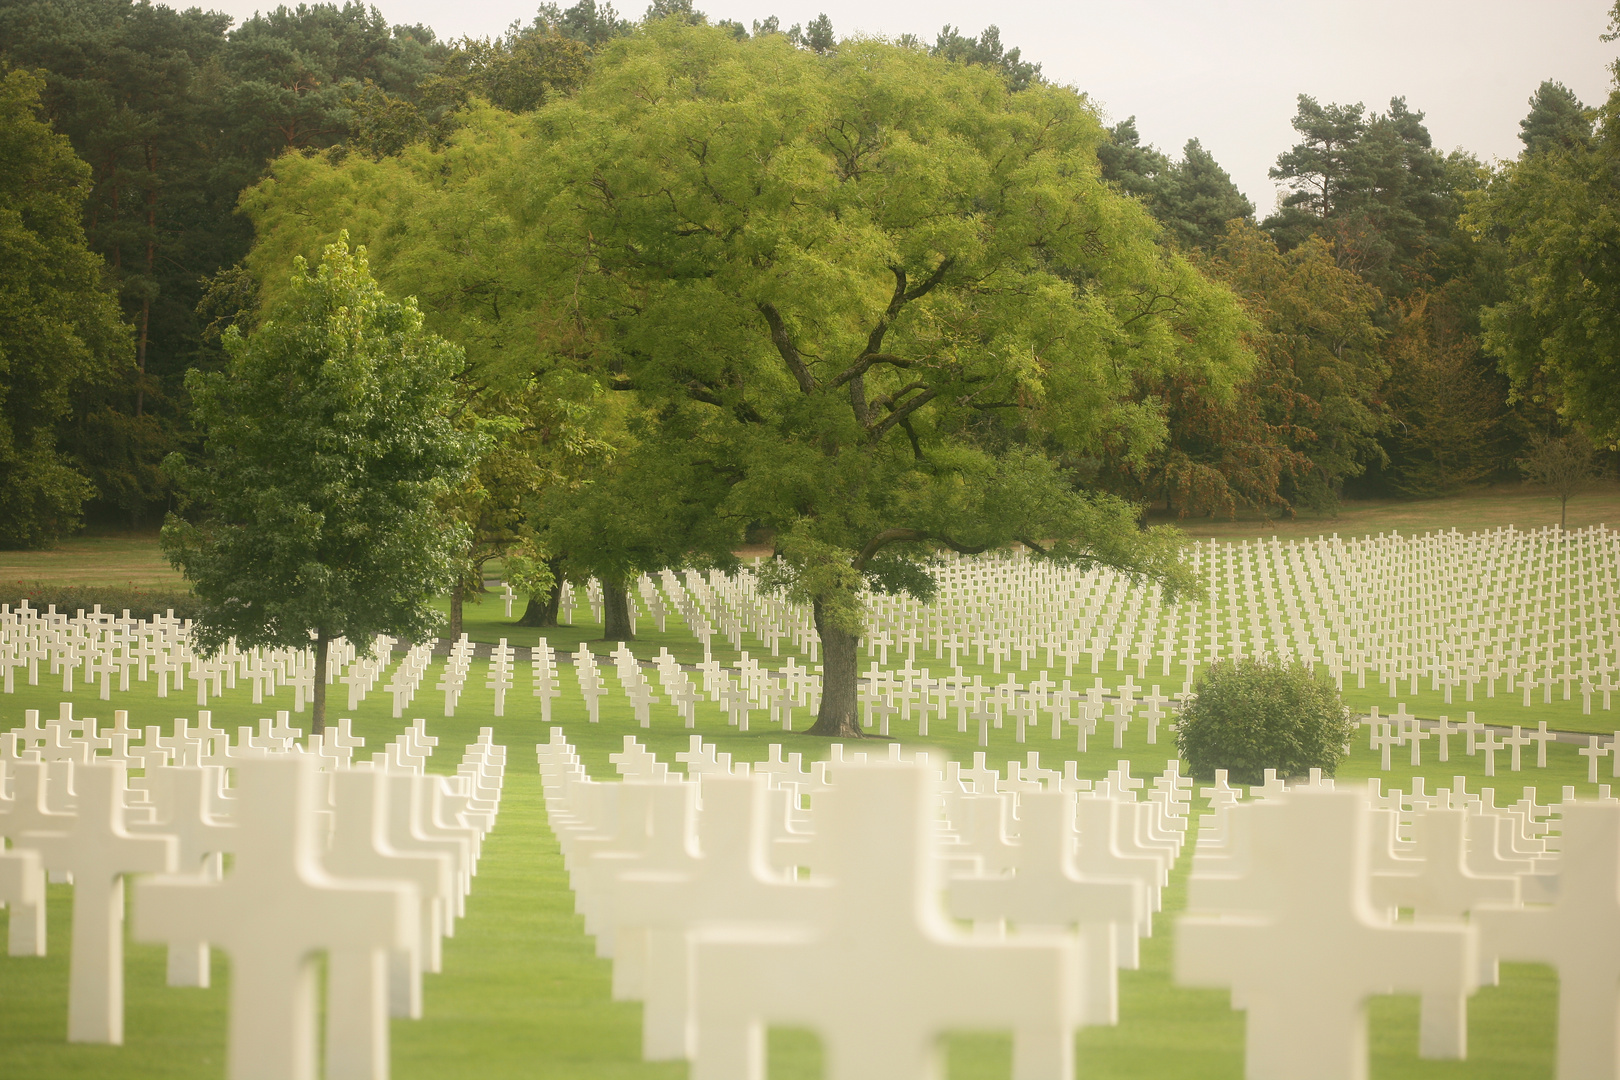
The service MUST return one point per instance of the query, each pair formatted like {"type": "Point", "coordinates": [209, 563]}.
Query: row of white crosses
{"type": "Point", "coordinates": [1507, 610]}
{"type": "Point", "coordinates": [1504, 610]}
{"type": "Point", "coordinates": [101, 649]}
{"type": "Point", "coordinates": [369, 864]}
{"type": "Point", "coordinates": [1293, 905]}
{"type": "Point", "coordinates": [746, 895]}
{"type": "Point", "coordinates": [1401, 729]}
{"type": "Point", "coordinates": [453, 677]}
{"type": "Point", "coordinates": [502, 665]}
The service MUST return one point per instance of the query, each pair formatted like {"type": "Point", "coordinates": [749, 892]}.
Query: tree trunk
{"type": "Point", "coordinates": [543, 612]}
{"type": "Point", "coordinates": [839, 717]}
{"type": "Point", "coordinates": [317, 722]}
{"type": "Point", "coordinates": [458, 593]}
{"type": "Point", "coordinates": [616, 610]}
{"type": "Point", "coordinates": [1563, 513]}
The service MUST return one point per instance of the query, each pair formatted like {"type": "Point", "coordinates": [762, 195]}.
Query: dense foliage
{"type": "Point", "coordinates": [330, 446]}
{"type": "Point", "coordinates": [1555, 212]}
{"type": "Point", "coordinates": [1252, 715]}
{"type": "Point", "coordinates": [59, 325]}
{"type": "Point", "coordinates": [860, 297]}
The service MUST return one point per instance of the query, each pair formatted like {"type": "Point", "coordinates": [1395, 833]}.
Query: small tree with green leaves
{"type": "Point", "coordinates": [1251, 715]}
{"type": "Point", "coordinates": [1565, 464]}
{"type": "Point", "coordinates": [329, 446]}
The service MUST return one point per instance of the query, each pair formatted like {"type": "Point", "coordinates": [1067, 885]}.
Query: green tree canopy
{"type": "Point", "coordinates": [987, 50]}
{"type": "Point", "coordinates": [1373, 184]}
{"type": "Point", "coordinates": [59, 324]}
{"type": "Point", "coordinates": [1557, 119]}
{"type": "Point", "coordinates": [1319, 348]}
{"type": "Point", "coordinates": [1192, 198]}
{"type": "Point", "coordinates": [329, 447]}
{"type": "Point", "coordinates": [894, 296]}
{"type": "Point", "coordinates": [1555, 215]}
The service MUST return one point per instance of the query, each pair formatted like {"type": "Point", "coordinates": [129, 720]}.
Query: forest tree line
{"type": "Point", "coordinates": [1413, 319]}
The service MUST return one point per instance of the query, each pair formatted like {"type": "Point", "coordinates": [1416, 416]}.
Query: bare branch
{"type": "Point", "coordinates": [886, 401]}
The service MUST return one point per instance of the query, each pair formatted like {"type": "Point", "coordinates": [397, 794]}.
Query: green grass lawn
{"type": "Point", "coordinates": [1521, 505]}
{"type": "Point", "coordinates": [134, 558]}
{"type": "Point", "coordinates": [523, 995]}
{"type": "Point", "coordinates": [122, 559]}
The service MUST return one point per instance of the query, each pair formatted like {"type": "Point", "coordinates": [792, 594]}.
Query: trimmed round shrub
{"type": "Point", "coordinates": [1249, 716]}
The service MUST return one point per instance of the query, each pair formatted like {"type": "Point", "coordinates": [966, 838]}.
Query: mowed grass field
{"type": "Point", "coordinates": [523, 995]}
{"type": "Point", "coordinates": [134, 559]}
{"type": "Point", "coordinates": [1523, 506]}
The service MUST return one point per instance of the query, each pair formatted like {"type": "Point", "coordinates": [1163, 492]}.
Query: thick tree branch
{"type": "Point", "coordinates": [861, 366]}
{"type": "Point", "coordinates": [894, 536]}
{"type": "Point", "coordinates": [873, 353]}
{"type": "Point", "coordinates": [886, 401]}
{"type": "Point", "coordinates": [933, 280]}
{"type": "Point", "coordinates": [784, 345]}
{"type": "Point", "coordinates": [902, 411]}
{"type": "Point", "coordinates": [742, 410]}
{"type": "Point", "coordinates": [911, 433]}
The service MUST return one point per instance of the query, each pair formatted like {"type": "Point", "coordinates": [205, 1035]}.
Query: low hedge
{"type": "Point", "coordinates": [70, 599]}
{"type": "Point", "coordinates": [1249, 716]}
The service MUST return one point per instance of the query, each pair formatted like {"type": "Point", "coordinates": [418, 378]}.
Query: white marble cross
{"type": "Point", "coordinates": [1591, 752]}
{"type": "Point", "coordinates": [275, 910]}
{"type": "Point", "coordinates": [1443, 731]}
{"type": "Point", "coordinates": [1439, 886]}
{"type": "Point", "coordinates": [22, 892]}
{"type": "Point", "coordinates": [1575, 935]}
{"type": "Point", "coordinates": [186, 803]}
{"type": "Point", "coordinates": [362, 804]}
{"type": "Point", "coordinates": [1046, 892]}
{"type": "Point", "coordinates": [879, 935]}
{"type": "Point", "coordinates": [1489, 746]}
{"type": "Point", "coordinates": [96, 848]}
{"type": "Point", "coordinates": [1542, 737]}
{"type": "Point", "coordinates": [1293, 935]}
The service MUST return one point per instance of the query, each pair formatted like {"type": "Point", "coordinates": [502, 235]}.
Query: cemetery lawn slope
{"type": "Point", "coordinates": [1522, 506]}
{"type": "Point", "coordinates": [129, 559]}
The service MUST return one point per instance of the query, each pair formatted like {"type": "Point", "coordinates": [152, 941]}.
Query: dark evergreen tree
{"type": "Point", "coordinates": [1199, 199]}
{"type": "Point", "coordinates": [1556, 119]}
{"type": "Point", "coordinates": [986, 50]}
{"type": "Point", "coordinates": [587, 22]}
{"type": "Point", "coordinates": [1374, 185]}
{"type": "Point", "coordinates": [1138, 170]}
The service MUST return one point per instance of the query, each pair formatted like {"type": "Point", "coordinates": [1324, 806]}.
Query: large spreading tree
{"type": "Point", "coordinates": [318, 506]}
{"type": "Point", "coordinates": [891, 296]}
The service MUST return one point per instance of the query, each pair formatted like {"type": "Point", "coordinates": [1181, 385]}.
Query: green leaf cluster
{"type": "Point", "coordinates": [59, 323]}
{"type": "Point", "coordinates": [894, 297]}
{"type": "Point", "coordinates": [330, 443]}
{"type": "Point", "coordinates": [1252, 715]}
{"type": "Point", "coordinates": [1555, 214]}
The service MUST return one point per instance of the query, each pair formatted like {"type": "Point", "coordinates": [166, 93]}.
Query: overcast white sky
{"type": "Point", "coordinates": [1224, 71]}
